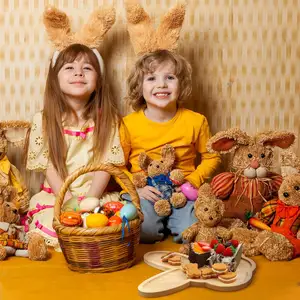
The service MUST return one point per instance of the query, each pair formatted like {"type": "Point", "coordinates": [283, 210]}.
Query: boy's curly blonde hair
{"type": "Point", "coordinates": [147, 64]}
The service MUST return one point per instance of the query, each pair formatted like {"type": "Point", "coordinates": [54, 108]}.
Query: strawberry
{"type": "Point", "coordinates": [203, 244]}
{"type": "Point", "coordinates": [227, 252]}
{"type": "Point", "coordinates": [234, 243]}
{"type": "Point", "coordinates": [213, 243]}
{"type": "Point", "coordinates": [219, 248]}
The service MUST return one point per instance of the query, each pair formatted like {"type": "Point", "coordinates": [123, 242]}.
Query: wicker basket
{"type": "Point", "coordinates": [98, 249]}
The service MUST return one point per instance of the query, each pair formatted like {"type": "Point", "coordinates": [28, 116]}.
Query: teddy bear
{"type": "Point", "coordinates": [282, 241]}
{"type": "Point", "coordinates": [159, 174]}
{"type": "Point", "coordinates": [9, 174]}
{"type": "Point", "coordinates": [211, 225]}
{"type": "Point", "coordinates": [251, 183]}
{"type": "Point", "coordinates": [13, 240]}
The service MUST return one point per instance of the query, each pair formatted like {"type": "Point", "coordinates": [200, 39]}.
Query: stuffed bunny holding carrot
{"type": "Point", "coordinates": [251, 183]}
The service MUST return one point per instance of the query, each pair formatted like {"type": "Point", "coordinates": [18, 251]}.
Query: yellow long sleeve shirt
{"type": "Point", "coordinates": [187, 132]}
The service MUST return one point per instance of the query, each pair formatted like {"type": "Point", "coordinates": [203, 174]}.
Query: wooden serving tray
{"type": "Point", "coordinates": [173, 279]}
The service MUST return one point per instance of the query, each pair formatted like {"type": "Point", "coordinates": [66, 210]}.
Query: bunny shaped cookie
{"type": "Point", "coordinates": [251, 183]}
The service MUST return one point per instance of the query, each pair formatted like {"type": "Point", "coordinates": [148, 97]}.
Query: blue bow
{"type": "Point", "coordinates": [125, 223]}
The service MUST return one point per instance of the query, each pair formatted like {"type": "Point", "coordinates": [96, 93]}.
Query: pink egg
{"type": "Point", "coordinates": [189, 191]}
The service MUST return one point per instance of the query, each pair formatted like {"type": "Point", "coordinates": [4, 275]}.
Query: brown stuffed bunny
{"type": "Point", "coordinates": [9, 174]}
{"type": "Point", "coordinates": [157, 173]}
{"type": "Point", "coordinates": [209, 211]}
{"type": "Point", "coordinates": [13, 240]}
{"type": "Point", "coordinates": [251, 183]}
{"type": "Point", "coordinates": [283, 215]}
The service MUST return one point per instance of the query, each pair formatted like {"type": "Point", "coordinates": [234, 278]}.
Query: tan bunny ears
{"type": "Point", "coordinates": [144, 37]}
{"type": "Point", "coordinates": [91, 34]}
{"type": "Point", "coordinates": [231, 139]}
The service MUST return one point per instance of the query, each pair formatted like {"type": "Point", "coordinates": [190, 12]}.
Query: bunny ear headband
{"type": "Point", "coordinates": [91, 34]}
{"type": "Point", "coordinates": [144, 37]}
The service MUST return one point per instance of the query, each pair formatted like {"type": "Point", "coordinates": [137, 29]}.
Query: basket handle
{"type": "Point", "coordinates": [112, 170]}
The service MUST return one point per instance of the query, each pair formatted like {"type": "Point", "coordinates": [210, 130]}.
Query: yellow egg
{"type": "Point", "coordinates": [96, 220]}
{"type": "Point", "coordinates": [117, 213]}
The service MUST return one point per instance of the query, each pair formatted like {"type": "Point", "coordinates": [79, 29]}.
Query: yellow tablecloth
{"type": "Point", "coordinates": [23, 279]}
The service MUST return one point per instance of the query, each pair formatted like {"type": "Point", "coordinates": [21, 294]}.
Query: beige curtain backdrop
{"type": "Point", "coordinates": [245, 56]}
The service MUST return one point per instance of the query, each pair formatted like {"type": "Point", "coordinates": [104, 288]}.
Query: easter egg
{"type": "Point", "coordinates": [71, 218]}
{"type": "Point", "coordinates": [117, 213]}
{"type": "Point", "coordinates": [71, 205]}
{"type": "Point", "coordinates": [114, 220]}
{"type": "Point", "coordinates": [113, 205]}
{"type": "Point", "coordinates": [89, 203]}
{"type": "Point", "coordinates": [189, 191]}
{"type": "Point", "coordinates": [96, 220]}
{"type": "Point", "coordinates": [129, 211]}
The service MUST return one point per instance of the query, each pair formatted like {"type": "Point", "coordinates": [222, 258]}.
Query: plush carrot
{"type": "Point", "coordinates": [258, 224]}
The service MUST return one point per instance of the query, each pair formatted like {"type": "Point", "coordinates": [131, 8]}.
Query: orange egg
{"type": "Point", "coordinates": [113, 205]}
{"type": "Point", "coordinates": [114, 220]}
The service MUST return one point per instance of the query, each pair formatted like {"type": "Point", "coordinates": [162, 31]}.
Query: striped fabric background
{"type": "Point", "coordinates": [245, 56]}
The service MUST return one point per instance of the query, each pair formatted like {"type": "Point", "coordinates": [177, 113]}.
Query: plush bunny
{"type": "Point", "coordinates": [251, 183]}
{"type": "Point", "coordinates": [157, 173]}
{"type": "Point", "coordinates": [9, 174]}
{"type": "Point", "coordinates": [13, 240]}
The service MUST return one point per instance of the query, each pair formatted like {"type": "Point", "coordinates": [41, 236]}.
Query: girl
{"type": "Point", "coordinates": [158, 86]}
{"type": "Point", "coordinates": [75, 128]}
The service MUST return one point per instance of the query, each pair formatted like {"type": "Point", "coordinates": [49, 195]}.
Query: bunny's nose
{"type": "Point", "coordinates": [254, 164]}
{"type": "Point", "coordinates": [285, 194]}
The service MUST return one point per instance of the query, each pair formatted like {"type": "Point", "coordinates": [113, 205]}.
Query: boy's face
{"type": "Point", "coordinates": [161, 88]}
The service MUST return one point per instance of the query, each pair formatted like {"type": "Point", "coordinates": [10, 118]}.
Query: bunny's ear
{"type": "Point", "coordinates": [228, 140]}
{"type": "Point", "coordinates": [93, 32]}
{"type": "Point", "coordinates": [58, 27]}
{"type": "Point", "coordinates": [140, 28]}
{"type": "Point", "coordinates": [144, 161]}
{"type": "Point", "coordinates": [170, 26]}
{"type": "Point", "coordinates": [281, 139]}
{"type": "Point", "coordinates": [168, 155]}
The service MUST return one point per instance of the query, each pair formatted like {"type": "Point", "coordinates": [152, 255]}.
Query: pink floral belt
{"type": "Point", "coordinates": [82, 134]}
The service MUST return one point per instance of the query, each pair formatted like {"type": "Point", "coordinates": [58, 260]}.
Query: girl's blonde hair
{"type": "Point", "coordinates": [101, 108]}
{"type": "Point", "coordinates": [147, 64]}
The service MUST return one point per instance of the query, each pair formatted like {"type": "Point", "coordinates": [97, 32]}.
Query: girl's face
{"type": "Point", "coordinates": [77, 79]}
{"type": "Point", "coordinates": [161, 88]}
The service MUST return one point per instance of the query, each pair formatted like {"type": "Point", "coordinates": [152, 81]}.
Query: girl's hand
{"type": "Point", "coordinates": [149, 193]}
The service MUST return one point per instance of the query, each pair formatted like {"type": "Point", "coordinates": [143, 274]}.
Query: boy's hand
{"type": "Point", "coordinates": [149, 193]}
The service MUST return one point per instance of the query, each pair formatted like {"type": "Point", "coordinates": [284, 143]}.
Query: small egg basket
{"type": "Point", "coordinates": [98, 249]}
